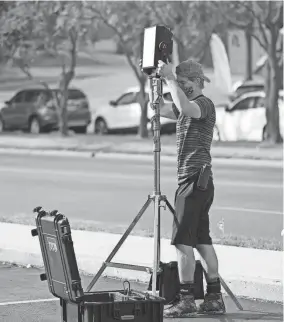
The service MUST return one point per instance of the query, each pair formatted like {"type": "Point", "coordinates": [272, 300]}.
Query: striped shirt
{"type": "Point", "coordinates": [194, 138]}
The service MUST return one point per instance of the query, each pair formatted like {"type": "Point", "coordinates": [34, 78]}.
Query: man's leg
{"type": "Point", "coordinates": [186, 263]}
{"type": "Point", "coordinates": [210, 260]}
{"type": "Point", "coordinates": [184, 238]}
{"type": "Point", "coordinates": [213, 302]}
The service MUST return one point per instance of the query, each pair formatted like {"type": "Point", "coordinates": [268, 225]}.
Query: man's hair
{"type": "Point", "coordinates": [200, 82]}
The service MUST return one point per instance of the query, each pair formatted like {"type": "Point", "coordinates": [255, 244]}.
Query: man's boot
{"type": "Point", "coordinates": [213, 301]}
{"type": "Point", "coordinates": [184, 305]}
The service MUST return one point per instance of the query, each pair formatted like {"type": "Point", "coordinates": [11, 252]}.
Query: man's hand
{"type": "Point", "coordinates": [165, 70]}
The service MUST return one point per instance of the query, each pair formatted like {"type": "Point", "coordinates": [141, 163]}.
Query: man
{"type": "Point", "coordinates": [195, 115]}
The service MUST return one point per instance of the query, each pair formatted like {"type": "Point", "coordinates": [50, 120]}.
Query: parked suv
{"type": "Point", "coordinates": [34, 110]}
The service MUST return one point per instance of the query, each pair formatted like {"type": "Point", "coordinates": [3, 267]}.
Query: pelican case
{"type": "Point", "coordinates": [61, 270]}
{"type": "Point", "coordinates": [168, 282]}
{"type": "Point", "coordinates": [64, 281]}
{"type": "Point", "coordinates": [111, 306]}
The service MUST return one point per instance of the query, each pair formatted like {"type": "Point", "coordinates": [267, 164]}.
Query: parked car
{"type": "Point", "coordinates": [34, 110]}
{"type": "Point", "coordinates": [245, 118]}
{"type": "Point", "coordinates": [123, 114]}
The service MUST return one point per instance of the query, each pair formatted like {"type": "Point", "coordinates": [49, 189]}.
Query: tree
{"type": "Point", "coordinates": [192, 23]}
{"type": "Point", "coordinates": [128, 26]}
{"type": "Point", "coordinates": [263, 20]}
{"type": "Point", "coordinates": [30, 29]}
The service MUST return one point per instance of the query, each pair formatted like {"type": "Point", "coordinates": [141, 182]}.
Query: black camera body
{"type": "Point", "coordinates": [157, 45]}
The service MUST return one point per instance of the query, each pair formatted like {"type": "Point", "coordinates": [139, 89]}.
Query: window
{"type": "Point", "coordinates": [18, 98]}
{"type": "Point", "coordinates": [128, 98]}
{"type": "Point", "coordinates": [244, 104]}
{"type": "Point", "coordinates": [168, 97]}
{"type": "Point", "coordinates": [75, 94]}
{"type": "Point", "coordinates": [31, 96]}
{"type": "Point", "coordinates": [260, 102]}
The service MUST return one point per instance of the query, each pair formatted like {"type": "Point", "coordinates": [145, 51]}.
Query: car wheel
{"type": "Point", "coordinates": [216, 134]}
{"type": "Point", "coordinates": [80, 129]}
{"type": "Point", "coordinates": [1, 125]}
{"type": "Point", "coordinates": [101, 127]}
{"type": "Point", "coordinates": [34, 126]}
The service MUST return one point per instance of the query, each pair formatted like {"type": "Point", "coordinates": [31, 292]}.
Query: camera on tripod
{"type": "Point", "coordinates": [157, 45]}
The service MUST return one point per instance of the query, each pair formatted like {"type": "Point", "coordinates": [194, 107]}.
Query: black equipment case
{"type": "Point", "coordinates": [168, 282]}
{"type": "Point", "coordinates": [62, 274]}
{"type": "Point", "coordinates": [58, 254]}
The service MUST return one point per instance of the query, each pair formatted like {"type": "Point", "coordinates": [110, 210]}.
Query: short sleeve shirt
{"type": "Point", "coordinates": [194, 138]}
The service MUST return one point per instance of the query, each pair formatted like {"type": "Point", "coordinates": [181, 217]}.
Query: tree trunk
{"type": "Point", "coordinates": [63, 116]}
{"type": "Point", "coordinates": [272, 111]}
{"type": "Point", "coordinates": [182, 55]}
{"type": "Point", "coordinates": [249, 54]}
{"type": "Point", "coordinates": [64, 85]}
{"type": "Point", "coordinates": [143, 131]}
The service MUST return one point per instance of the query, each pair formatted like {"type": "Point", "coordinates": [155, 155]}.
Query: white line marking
{"type": "Point", "coordinates": [249, 210]}
{"type": "Point", "coordinates": [28, 302]}
{"type": "Point", "coordinates": [112, 175]}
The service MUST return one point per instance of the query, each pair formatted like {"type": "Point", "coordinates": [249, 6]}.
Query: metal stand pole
{"type": "Point", "coordinates": [157, 92]}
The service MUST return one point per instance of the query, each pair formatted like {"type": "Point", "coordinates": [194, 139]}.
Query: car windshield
{"type": "Point", "coordinates": [249, 88]}
{"type": "Point", "coordinates": [73, 94]}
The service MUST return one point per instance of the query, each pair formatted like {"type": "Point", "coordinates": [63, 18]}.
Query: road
{"type": "Point", "coordinates": [24, 298]}
{"type": "Point", "coordinates": [110, 192]}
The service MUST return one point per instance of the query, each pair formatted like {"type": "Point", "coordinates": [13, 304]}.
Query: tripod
{"type": "Point", "coordinates": [157, 198]}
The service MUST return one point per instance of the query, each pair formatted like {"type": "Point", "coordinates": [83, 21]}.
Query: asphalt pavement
{"type": "Point", "coordinates": [24, 298]}
{"type": "Point", "coordinates": [110, 192]}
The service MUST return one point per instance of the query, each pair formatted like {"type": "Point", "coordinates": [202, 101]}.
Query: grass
{"type": "Point", "coordinates": [91, 141]}
{"type": "Point", "coordinates": [97, 61]}
{"type": "Point", "coordinates": [89, 225]}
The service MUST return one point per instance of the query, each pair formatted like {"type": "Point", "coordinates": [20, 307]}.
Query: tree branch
{"type": "Point", "coordinates": [73, 36]}
{"type": "Point", "coordinates": [105, 20]}
{"type": "Point", "coordinates": [262, 45]}
{"type": "Point", "coordinates": [159, 17]}
{"type": "Point", "coordinates": [279, 18]}
{"type": "Point", "coordinates": [258, 20]}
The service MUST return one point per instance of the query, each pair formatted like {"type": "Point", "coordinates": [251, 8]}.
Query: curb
{"type": "Point", "coordinates": [137, 156]}
{"type": "Point", "coordinates": [249, 273]}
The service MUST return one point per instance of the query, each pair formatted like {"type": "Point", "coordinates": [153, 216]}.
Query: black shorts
{"type": "Point", "coordinates": [192, 213]}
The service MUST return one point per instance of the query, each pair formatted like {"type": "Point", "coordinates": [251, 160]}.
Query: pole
{"type": "Point", "coordinates": [155, 97]}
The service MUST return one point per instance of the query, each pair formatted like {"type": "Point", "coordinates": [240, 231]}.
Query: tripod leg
{"type": "Point", "coordinates": [231, 294]}
{"type": "Point", "coordinates": [157, 214]}
{"type": "Point", "coordinates": [121, 241]}
{"type": "Point", "coordinates": [172, 211]}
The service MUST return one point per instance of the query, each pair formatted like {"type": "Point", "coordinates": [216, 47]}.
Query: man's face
{"type": "Point", "coordinates": [189, 86]}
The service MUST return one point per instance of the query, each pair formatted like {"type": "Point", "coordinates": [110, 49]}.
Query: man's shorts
{"type": "Point", "coordinates": [192, 213]}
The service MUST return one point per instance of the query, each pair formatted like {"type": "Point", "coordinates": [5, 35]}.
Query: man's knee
{"type": "Point", "coordinates": [185, 255]}
{"type": "Point", "coordinates": [184, 249]}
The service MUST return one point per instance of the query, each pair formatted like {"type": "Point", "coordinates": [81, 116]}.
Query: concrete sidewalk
{"type": "Point", "coordinates": [132, 145]}
{"type": "Point", "coordinates": [24, 297]}
{"type": "Point", "coordinates": [248, 272]}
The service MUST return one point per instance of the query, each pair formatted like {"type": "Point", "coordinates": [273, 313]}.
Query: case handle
{"type": "Point", "coordinates": [127, 317]}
